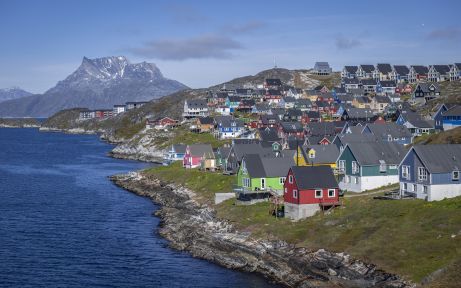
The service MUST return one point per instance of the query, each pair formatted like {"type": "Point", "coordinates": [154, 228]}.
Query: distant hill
{"type": "Point", "coordinates": [452, 136]}
{"type": "Point", "coordinates": [97, 83]}
{"type": "Point", "coordinates": [12, 93]}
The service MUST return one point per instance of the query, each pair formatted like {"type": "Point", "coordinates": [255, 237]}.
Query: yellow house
{"type": "Point", "coordinates": [318, 155]}
{"type": "Point", "coordinates": [361, 102]}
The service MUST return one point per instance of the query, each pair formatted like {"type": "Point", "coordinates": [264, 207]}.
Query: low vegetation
{"type": "Point", "coordinates": [452, 136]}
{"type": "Point", "coordinates": [184, 136]}
{"type": "Point", "coordinates": [413, 238]}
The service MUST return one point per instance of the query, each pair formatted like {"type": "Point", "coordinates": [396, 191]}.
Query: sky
{"type": "Point", "coordinates": [202, 43]}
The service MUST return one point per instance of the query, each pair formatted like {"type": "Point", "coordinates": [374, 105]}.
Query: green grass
{"type": "Point", "coordinates": [205, 184]}
{"type": "Point", "coordinates": [412, 238]}
{"type": "Point", "coordinates": [184, 136]}
{"type": "Point", "coordinates": [408, 237]}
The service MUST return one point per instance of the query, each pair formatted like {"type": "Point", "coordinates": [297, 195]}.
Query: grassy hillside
{"type": "Point", "coordinates": [412, 238]}
{"type": "Point", "coordinates": [452, 136]}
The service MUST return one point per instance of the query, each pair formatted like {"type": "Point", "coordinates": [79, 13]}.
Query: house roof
{"type": "Point", "coordinates": [314, 140]}
{"type": "Point", "coordinates": [292, 127]}
{"type": "Point", "coordinates": [453, 111]}
{"type": "Point", "coordinates": [375, 153]}
{"type": "Point", "coordinates": [417, 121]}
{"type": "Point", "coordinates": [440, 158]}
{"type": "Point", "coordinates": [196, 103]}
{"type": "Point", "coordinates": [367, 68]}
{"type": "Point", "coordinates": [311, 177]}
{"type": "Point", "coordinates": [262, 106]}
{"type": "Point", "coordinates": [179, 148]}
{"type": "Point", "coordinates": [355, 137]}
{"type": "Point", "coordinates": [321, 128]}
{"type": "Point", "coordinates": [289, 99]}
{"type": "Point", "coordinates": [227, 122]}
{"type": "Point", "coordinates": [273, 92]}
{"type": "Point", "coordinates": [322, 65]}
{"type": "Point", "coordinates": [273, 82]}
{"type": "Point", "coordinates": [240, 149]}
{"type": "Point", "coordinates": [303, 102]}
{"type": "Point", "coordinates": [419, 69]}
{"type": "Point", "coordinates": [234, 98]}
{"type": "Point", "coordinates": [268, 134]}
{"type": "Point", "coordinates": [363, 99]}
{"type": "Point", "coordinates": [401, 69]}
{"type": "Point", "coordinates": [381, 99]}
{"type": "Point", "coordinates": [359, 113]}
{"type": "Point", "coordinates": [259, 166]}
{"type": "Point", "coordinates": [442, 69]}
{"type": "Point", "coordinates": [458, 65]}
{"type": "Point", "coordinates": [323, 153]}
{"type": "Point", "coordinates": [391, 128]}
{"type": "Point", "coordinates": [425, 87]}
{"type": "Point", "coordinates": [351, 69]}
{"type": "Point", "coordinates": [206, 120]}
{"type": "Point", "coordinates": [293, 112]}
{"type": "Point", "coordinates": [368, 82]}
{"type": "Point", "coordinates": [351, 81]}
{"type": "Point", "coordinates": [200, 149]}
{"type": "Point", "coordinates": [388, 83]}
{"type": "Point", "coordinates": [384, 68]}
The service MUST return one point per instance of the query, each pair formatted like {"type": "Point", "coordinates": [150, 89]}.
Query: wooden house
{"type": "Point", "coordinates": [308, 190]}
{"type": "Point", "coordinates": [194, 155]}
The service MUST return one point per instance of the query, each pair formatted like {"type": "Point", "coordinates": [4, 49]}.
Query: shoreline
{"type": "Point", "coordinates": [193, 227]}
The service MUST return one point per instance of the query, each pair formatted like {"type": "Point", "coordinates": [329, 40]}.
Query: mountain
{"type": "Point", "coordinates": [97, 83]}
{"type": "Point", "coordinates": [12, 93]}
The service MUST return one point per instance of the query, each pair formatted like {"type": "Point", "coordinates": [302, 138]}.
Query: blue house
{"type": "Point", "coordinates": [228, 127]}
{"type": "Point", "coordinates": [451, 118]}
{"type": "Point", "coordinates": [431, 172]}
{"type": "Point", "coordinates": [233, 102]}
{"type": "Point", "coordinates": [175, 153]}
{"type": "Point", "coordinates": [437, 117]}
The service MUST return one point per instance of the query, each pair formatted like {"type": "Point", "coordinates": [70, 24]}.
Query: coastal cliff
{"type": "Point", "coordinates": [194, 227]}
{"type": "Point", "coordinates": [19, 123]}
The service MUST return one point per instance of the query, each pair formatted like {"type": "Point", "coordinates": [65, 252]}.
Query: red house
{"type": "Point", "coordinates": [194, 154]}
{"type": "Point", "coordinates": [309, 189]}
{"type": "Point", "coordinates": [161, 123]}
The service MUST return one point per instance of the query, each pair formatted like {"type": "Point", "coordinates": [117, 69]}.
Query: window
{"type": "Point", "coordinates": [405, 186]}
{"type": "Point", "coordinates": [246, 182]}
{"type": "Point", "coordinates": [356, 180]}
{"type": "Point", "coordinates": [282, 180]}
{"type": "Point", "coordinates": [295, 193]}
{"type": "Point", "coordinates": [286, 190]}
{"type": "Point", "coordinates": [415, 188]}
{"type": "Point", "coordinates": [312, 154]}
{"type": "Point", "coordinates": [393, 167]}
{"type": "Point", "coordinates": [263, 183]}
{"type": "Point", "coordinates": [290, 179]}
{"type": "Point", "coordinates": [425, 189]}
{"type": "Point", "coordinates": [422, 174]}
{"type": "Point", "coordinates": [342, 165]}
{"type": "Point", "coordinates": [355, 167]}
{"type": "Point", "coordinates": [382, 166]}
{"type": "Point", "coordinates": [406, 172]}
{"type": "Point", "coordinates": [455, 175]}
{"type": "Point", "coordinates": [318, 193]}
{"type": "Point", "coordinates": [331, 193]}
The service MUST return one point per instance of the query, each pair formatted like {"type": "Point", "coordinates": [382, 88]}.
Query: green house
{"type": "Point", "coordinates": [369, 165]}
{"type": "Point", "coordinates": [260, 173]}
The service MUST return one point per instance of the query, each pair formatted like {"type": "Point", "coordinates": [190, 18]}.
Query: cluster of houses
{"type": "Point", "coordinates": [310, 146]}
{"type": "Point", "coordinates": [106, 113]}
{"type": "Point", "coordinates": [402, 73]}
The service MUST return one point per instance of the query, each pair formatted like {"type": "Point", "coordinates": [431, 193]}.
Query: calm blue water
{"type": "Point", "coordinates": [64, 224]}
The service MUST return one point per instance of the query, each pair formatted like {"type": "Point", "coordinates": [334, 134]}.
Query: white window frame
{"type": "Point", "coordinates": [295, 193]}
{"type": "Point", "coordinates": [405, 186]}
{"type": "Point", "coordinates": [406, 172]}
{"type": "Point", "coordinates": [422, 174]}
{"type": "Point", "coordinates": [263, 187]}
{"type": "Point", "coordinates": [415, 188]}
{"type": "Point", "coordinates": [356, 180]}
{"type": "Point", "coordinates": [321, 193]}
{"type": "Point", "coordinates": [282, 180]}
{"type": "Point", "coordinates": [290, 179]}
{"type": "Point", "coordinates": [355, 167]}
{"type": "Point", "coordinates": [334, 193]}
{"type": "Point", "coordinates": [453, 178]}
{"type": "Point", "coordinates": [342, 165]}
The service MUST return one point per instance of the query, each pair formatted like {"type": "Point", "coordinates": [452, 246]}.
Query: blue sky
{"type": "Point", "coordinates": [202, 43]}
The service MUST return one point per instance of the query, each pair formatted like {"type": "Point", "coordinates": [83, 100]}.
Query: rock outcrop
{"type": "Point", "coordinates": [194, 227]}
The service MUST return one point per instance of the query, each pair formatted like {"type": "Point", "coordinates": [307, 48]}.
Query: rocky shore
{"type": "Point", "coordinates": [194, 227]}
{"type": "Point", "coordinates": [19, 123]}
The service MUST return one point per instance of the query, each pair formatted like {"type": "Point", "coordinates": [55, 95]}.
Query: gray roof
{"type": "Point", "coordinates": [383, 130]}
{"type": "Point", "coordinates": [388, 83]}
{"type": "Point", "coordinates": [440, 158]}
{"type": "Point", "coordinates": [179, 148]}
{"type": "Point", "coordinates": [289, 99]}
{"type": "Point", "coordinates": [351, 69]}
{"type": "Point", "coordinates": [355, 129]}
{"type": "Point", "coordinates": [442, 69]}
{"type": "Point", "coordinates": [200, 149]}
{"type": "Point", "coordinates": [357, 113]}
{"type": "Point", "coordinates": [196, 103]}
{"type": "Point", "coordinates": [417, 121]}
{"type": "Point", "coordinates": [401, 69]}
{"type": "Point", "coordinates": [268, 134]}
{"type": "Point", "coordinates": [373, 153]}
{"type": "Point", "coordinates": [384, 68]}
{"type": "Point", "coordinates": [311, 177]}
{"type": "Point", "coordinates": [321, 128]}
{"type": "Point", "coordinates": [453, 111]}
{"type": "Point", "coordinates": [382, 99]}
{"type": "Point", "coordinates": [323, 153]}
{"type": "Point", "coordinates": [425, 87]}
{"type": "Point", "coordinates": [368, 68]}
{"type": "Point", "coordinates": [419, 69]}
{"type": "Point", "coordinates": [354, 138]}
{"type": "Point", "coordinates": [259, 166]}
{"type": "Point", "coordinates": [351, 81]}
{"type": "Point", "coordinates": [314, 140]}
{"type": "Point", "coordinates": [240, 149]}
{"type": "Point", "coordinates": [369, 82]}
